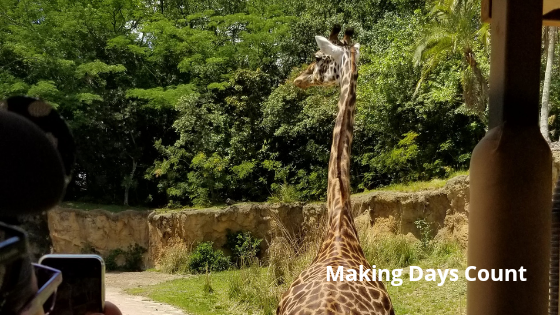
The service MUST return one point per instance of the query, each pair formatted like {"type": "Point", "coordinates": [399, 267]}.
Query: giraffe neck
{"type": "Point", "coordinates": [338, 193]}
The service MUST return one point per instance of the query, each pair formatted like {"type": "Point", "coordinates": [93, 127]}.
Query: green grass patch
{"type": "Point", "coordinates": [257, 289]}
{"type": "Point", "coordinates": [214, 207]}
{"type": "Point", "coordinates": [418, 186]}
{"type": "Point", "coordinates": [192, 294]}
{"type": "Point", "coordinates": [427, 298]}
{"type": "Point", "coordinates": [95, 206]}
{"type": "Point", "coordinates": [286, 197]}
{"type": "Point", "coordinates": [246, 292]}
{"type": "Point", "coordinates": [170, 210]}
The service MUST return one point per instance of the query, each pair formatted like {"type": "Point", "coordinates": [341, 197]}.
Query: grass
{"type": "Point", "coordinates": [247, 292]}
{"type": "Point", "coordinates": [418, 186]}
{"type": "Point", "coordinates": [285, 193]}
{"type": "Point", "coordinates": [170, 210]}
{"type": "Point", "coordinates": [257, 289]}
{"type": "Point", "coordinates": [191, 295]}
{"type": "Point", "coordinates": [175, 258]}
{"type": "Point", "coordinates": [214, 207]}
{"type": "Point", "coordinates": [427, 298]}
{"type": "Point", "coordinates": [95, 206]}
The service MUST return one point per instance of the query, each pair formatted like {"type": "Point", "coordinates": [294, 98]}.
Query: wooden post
{"type": "Point", "coordinates": [510, 172]}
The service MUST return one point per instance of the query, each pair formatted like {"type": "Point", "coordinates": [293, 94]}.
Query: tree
{"type": "Point", "coordinates": [545, 108]}
{"type": "Point", "coordinates": [455, 29]}
{"type": "Point", "coordinates": [181, 101]}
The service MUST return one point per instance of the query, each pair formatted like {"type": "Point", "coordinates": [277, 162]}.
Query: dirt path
{"type": "Point", "coordinates": [116, 283]}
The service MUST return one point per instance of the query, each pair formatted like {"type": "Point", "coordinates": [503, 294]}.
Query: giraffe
{"type": "Point", "coordinates": [311, 293]}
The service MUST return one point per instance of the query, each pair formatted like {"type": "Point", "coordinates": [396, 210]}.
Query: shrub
{"type": "Point", "coordinates": [284, 193]}
{"type": "Point", "coordinates": [175, 257]}
{"type": "Point", "coordinates": [425, 229]}
{"type": "Point", "coordinates": [132, 259]}
{"type": "Point", "coordinates": [207, 288]}
{"type": "Point", "coordinates": [260, 289]}
{"type": "Point", "coordinates": [447, 253]}
{"type": "Point", "coordinates": [392, 251]}
{"type": "Point", "coordinates": [244, 247]}
{"type": "Point", "coordinates": [205, 256]}
{"type": "Point", "coordinates": [252, 288]}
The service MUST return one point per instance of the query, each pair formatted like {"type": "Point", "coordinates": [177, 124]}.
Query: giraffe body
{"type": "Point", "coordinates": [311, 293]}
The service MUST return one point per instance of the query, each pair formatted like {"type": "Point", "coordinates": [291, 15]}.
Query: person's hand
{"type": "Point", "coordinates": [110, 309]}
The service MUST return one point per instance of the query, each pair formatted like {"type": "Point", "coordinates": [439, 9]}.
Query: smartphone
{"type": "Point", "coordinates": [83, 288]}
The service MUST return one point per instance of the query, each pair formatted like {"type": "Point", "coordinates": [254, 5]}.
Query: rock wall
{"type": "Point", "coordinates": [73, 231]}
{"type": "Point", "coordinates": [194, 226]}
{"type": "Point", "coordinates": [446, 209]}
{"type": "Point", "coordinates": [76, 231]}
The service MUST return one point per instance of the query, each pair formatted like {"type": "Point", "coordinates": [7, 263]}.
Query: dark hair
{"type": "Point", "coordinates": [37, 158]}
{"type": "Point", "coordinates": [16, 286]}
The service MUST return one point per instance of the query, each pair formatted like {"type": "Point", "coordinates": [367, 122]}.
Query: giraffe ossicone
{"type": "Point", "coordinates": [326, 69]}
{"type": "Point", "coordinates": [311, 292]}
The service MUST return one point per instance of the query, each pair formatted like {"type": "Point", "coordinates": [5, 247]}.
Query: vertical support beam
{"type": "Point", "coordinates": [515, 61]}
{"type": "Point", "coordinates": [510, 173]}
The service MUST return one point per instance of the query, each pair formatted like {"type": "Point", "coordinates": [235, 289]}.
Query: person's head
{"type": "Point", "coordinates": [37, 153]}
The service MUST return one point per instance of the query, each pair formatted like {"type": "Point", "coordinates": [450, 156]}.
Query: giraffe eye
{"type": "Point", "coordinates": [317, 58]}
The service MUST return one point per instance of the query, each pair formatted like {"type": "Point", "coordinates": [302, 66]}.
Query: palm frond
{"type": "Point", "coordinates": [483, 34]}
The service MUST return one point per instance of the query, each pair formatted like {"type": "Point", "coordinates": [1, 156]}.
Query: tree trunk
{"type": "Point", "coordinates": [128, 183]}
{"type": "Point", "coordinates": [482, 82]}
{"type": "Point", "coordinates": [546, 85]}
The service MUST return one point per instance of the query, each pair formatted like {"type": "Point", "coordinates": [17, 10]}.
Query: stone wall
{"type": "Point", "coordinates": [445, 208]}
{"type": "Point", "coordinates": [76, 231]}
{"type": "Point", "coordinates": [194, 226]}
{"type": "Point", "coordinates": [73, 231]}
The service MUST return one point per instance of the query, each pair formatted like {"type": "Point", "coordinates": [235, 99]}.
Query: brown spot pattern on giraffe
{"type": "Point", "coordinates": [311, 293]}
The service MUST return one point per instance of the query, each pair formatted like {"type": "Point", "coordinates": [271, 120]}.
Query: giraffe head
{"type": "Point", "coordinates": [332, 61]}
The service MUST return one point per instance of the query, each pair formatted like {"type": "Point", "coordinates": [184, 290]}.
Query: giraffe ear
{"type": "Point", "coordinates": [327, 47]}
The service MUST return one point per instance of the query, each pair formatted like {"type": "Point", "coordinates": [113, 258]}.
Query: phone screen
{"type": "Point", "coordinates": [81, 290]}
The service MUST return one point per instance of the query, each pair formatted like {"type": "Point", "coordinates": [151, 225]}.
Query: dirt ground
{"type": "Point", "coordinates": [117, 282]}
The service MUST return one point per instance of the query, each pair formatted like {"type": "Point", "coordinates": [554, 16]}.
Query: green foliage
{"type": "Point", "coordinates": [425, 229]}
{"type": "Point", "coordinates": [250, 287]}
{"type": "Point", "coordinates": [207, 285]}
{"type": "Point", "coordinates": [161, 98]}
{"type": "Point", "coordinates": [399, 160]}
{"type": "Point", "coordinates": [132, 256]}
{"type": "Point", "coordinates": [454, 30]}
{"type": "Point", "coordinates": [199, 97]}
{"type": "Point", "coordinates": [204, 256]}
{"type": "Point", "coordinates": [243, 246]}
{"type": "Point", "coordinates": [175, 258]}
{"type": "Point", "coordinates": [393, 251]}
{"type": "Point", "coordinates": [284, 193]}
